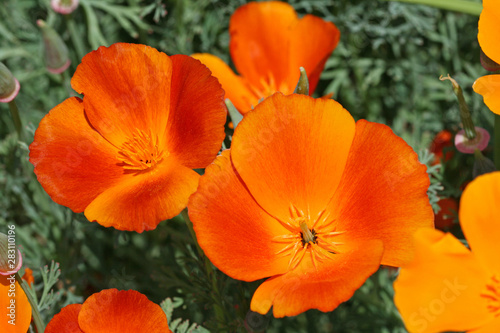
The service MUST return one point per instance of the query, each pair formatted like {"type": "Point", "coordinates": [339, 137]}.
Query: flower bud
{"type": "Point", "coordinates": [56, 52]}
{"type": "Point", "coordinates": [488, 63]}
{"type": "Point", "coordinates": [9, 86]}
{"type": "Point", "coordinates": [10, 257]}
{"type": "Point", "coordinates": [468, 146]}
{"type": "Point", "coordinates": [303, 83]}
{"type": "Point", "coordinates": [64, 6]}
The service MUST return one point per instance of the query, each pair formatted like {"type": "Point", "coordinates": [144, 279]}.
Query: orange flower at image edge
{"type": "Point", "coordinates": [111, 311]}
{"type": "Point", "coordinates": [124, 154]}
{"type": "Point", "coordinates": [448, 287]}
{"type": "Point", "coordinates": [268, 45]}
{"type": "Point", "coordinates": [489, 86]}
{"type": "Point", "coordinates": [15, 309]}
{"type": "Point", "coordinates": [311, 199]}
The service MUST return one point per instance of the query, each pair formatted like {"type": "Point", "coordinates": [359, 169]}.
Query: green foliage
{"type": "Point", "coordinates": [385, 69]}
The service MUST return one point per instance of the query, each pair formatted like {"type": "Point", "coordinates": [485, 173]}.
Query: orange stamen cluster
{"type": "Point", "coordinates": [309, 238]}
{"type": "Point", "coordinates": [492, 294]}
{"type": "Point", "coordinates": [141, 152]}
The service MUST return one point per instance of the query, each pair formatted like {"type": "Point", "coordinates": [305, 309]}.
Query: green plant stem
{"type": "Point", "coordinates": [37, 318]}
{"type": "Point", "coordinates": [14, 111]}
{"type": "Point", "coordinates": [496, 143]}
{"type": "Point", "coordinates": [216, 296]}
{"type": "Point", "coordinates": [462, 6]}
{"type": "Point", "coordinates": [66, 82]}
{"type": "Point", "coordinates": [75, 38]}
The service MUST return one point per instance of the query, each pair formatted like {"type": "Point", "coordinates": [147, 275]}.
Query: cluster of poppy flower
{"type": "Point", "coordinates": [305, 196]}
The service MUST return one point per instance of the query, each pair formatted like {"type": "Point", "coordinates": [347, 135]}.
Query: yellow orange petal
{"type": "Point", "coordinates": [382, 193]}
{"type": "Point", "coordinates": [440, 289]}
{"type": "Point", "coordinates": [141, 201]}
{"type": "Point", "coordinates": [231, 228]}
{"type": "Point", "coordinates": [260, 37]}
{"type": "Point", "coordinates": [126, 87]}
{"type": "Point", "coordinates": [311, 53]}
{"type": "Point", "coordinates": [333, 282]}
{"type": "Point", "coordinates": [73, 162]}
{"type": "Point", "coordinates": [489, 87]}
{"type": "Point", "coordinates": [236, 87]}
{"type": "Point", "coordinates": [480, 219]}
{"type": "Point", "coordinates": [65, 321]}
{"type": "Point", "coordinates": [489, 28]}
{"type": "Point", "coordinates": [15, 308]}
{"type": "Point", "coordinates": [292, 150]}
{"type": "Point", "coordinates": [125, 311]}
{"type": "Point", "coordinates": [197, 113]}
{"type": "Point", "coordinates": [490, 327]}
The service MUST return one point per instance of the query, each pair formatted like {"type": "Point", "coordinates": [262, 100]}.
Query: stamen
{"type": "Point", "coordinates": [492, 294]}
{"type": "Point", "coordinates": [141, 152]}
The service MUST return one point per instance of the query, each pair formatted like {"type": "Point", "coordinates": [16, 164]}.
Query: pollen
{"type": "Point", "coordinates": [312, 237]}
{"type": "Point", "coordinates": [141, 152]}
{"type": "Point", "coordinates": [492, 294]}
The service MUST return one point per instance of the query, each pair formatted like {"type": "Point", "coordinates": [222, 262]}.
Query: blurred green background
{"type": "Point", "coordinates": [385, 69]}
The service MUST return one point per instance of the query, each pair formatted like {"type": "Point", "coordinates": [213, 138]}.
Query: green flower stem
{"type": "Point", "coordinates": [216, 296]}
{"type": "Point", "coordinates": [66, 82]}
{"type": "Point", "coordinates": [496, 143]}
{"type": "Point", "coordinates": [14, 111]}
{"type": "Point", "coordinates": [40, 325]}
{"type": "Point", "coordinates": [75, 37]}
{"type": "Point", "coordinates": [462, 6]}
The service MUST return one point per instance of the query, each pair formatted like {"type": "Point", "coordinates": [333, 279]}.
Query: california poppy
{"type": "Point", "coordinates": [448, 287]}
{"type": "Point", "coordinates": [311, 199]}
{"type": "Point", "coordinates": [489, 86]}
{"type": "Point", "coordinates": [124, 154]}
{"type": "Point", "coordinates": [15, 308]}
{"type": "Point", "coordinates": [442, 147]}
{"type": "Point", "coordinates": [268, 45]}
{"type": "Point", "coordinates": [111, 311]}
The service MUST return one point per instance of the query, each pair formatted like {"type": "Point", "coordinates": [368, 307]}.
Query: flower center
{"type": "Point", "coordinates": [492, 294]}
{"type": "Point", "coordinates": [141, 151]}
{"type": "Point", "coordinates": [309, 238]}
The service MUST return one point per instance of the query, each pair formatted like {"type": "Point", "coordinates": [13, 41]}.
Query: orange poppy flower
{"type": "Point", "coordinates": [124, 154]}
{"type": "Point", "coordinates": [489, 86]}
{"type": "Point", "coordinates": [446, 216]}
{"type": "Point", "coordinates": [15, 307]}
{"type": "Point", "coordinates": [442, 141]}
{"type": "Point", "coordinates": [111, 311]}
{"type": "Point", "coordinates": [311, 199]}
{"type": "Point", "coordinates": [448, 287]}
{"type": "Point", "coordinates": [268, 45]}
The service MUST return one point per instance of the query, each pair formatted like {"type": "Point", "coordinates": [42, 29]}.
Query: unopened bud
{"type": "Point", "coordinates": [255, 322]}
{"type": "Point", "coordinates": [10, 257]}
{"type": "Point", "coordinates": [9, 86]}
{"type": "Point", "coordinates": [64, 6]}
{"type": "Point", "coordinates": [56, 52]}
{"type": "Point", "coordinates": [488, 63]}
{"type": "Point", "coordinates": [303, 84]}
{"type": "Point", "coordinates": [468, 146]}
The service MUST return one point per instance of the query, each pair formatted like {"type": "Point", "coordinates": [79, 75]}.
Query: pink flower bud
{"type": "Point", "coordinates": [9, 86]}
{"type": "Point", "coordinates": [466, 146]}
{"type": "Point", "coordinates": [64, 6]}
{"type": "Point", "coordinates": [56, 52]}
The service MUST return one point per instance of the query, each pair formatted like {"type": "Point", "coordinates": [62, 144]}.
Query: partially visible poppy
{"type": "Point", "coordinates": [15, 309]}
{"type": "Point", "coordinates": [448, 287]}
{"type": "Point", "coordinates": [111, 311]}
{"type": "Point", "coordinates": [268, 45]}
{"type": "Point", "coordinates": [28, 276]}
{"type": "Point", "coordinates": [489, 86]}
{"type": "Point", "coordinates": [442, 147]}
{"type": "Point", "coordinates": [124, 154]}
{"type": "Point", "coordinates": [312, 200]}
{"type": "Point", "coordinates": [446, 216]}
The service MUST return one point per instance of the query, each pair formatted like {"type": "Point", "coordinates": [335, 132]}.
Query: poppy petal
{"type": "Point", "coordinates": [231, 228]}
{"type": "Point", "coordinates": [292, 150]}
{"type": "Point", "coordinates": [260, 38]}
{"type": "Point", "coordinates": [489, 29]}
{"type": "Point", "coordinates": [491, 327]}
{"type": "Point", "coordinates": [65, 321]}
{"type": "Point", "coordinates": [311, 53]}
{"type": "Point", "coordinates": [440, 289]}
{"type": "Point", "coordinates": [324, 288]}
{"type": "Point", "coordinates": [382, 193]}
{"type": "Point", "coordinates": [122, 311]}
{"type": "Point", "coordinates": [126, 87]}
{"type": "Point", "coordinates": [489, 87]}
{"type": "Point", "coordinates": [15, 307]}
{"type": "Point", "coordinates": [73, 162]}
{"type": "Point", "coordinates": [236, 88]}
{"type": "Point", "coordinates": [480, 219]}
{"type": "Point", "coordinates": [197, 113]}
{"type": "Point", "coordinates": [141, 201]}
